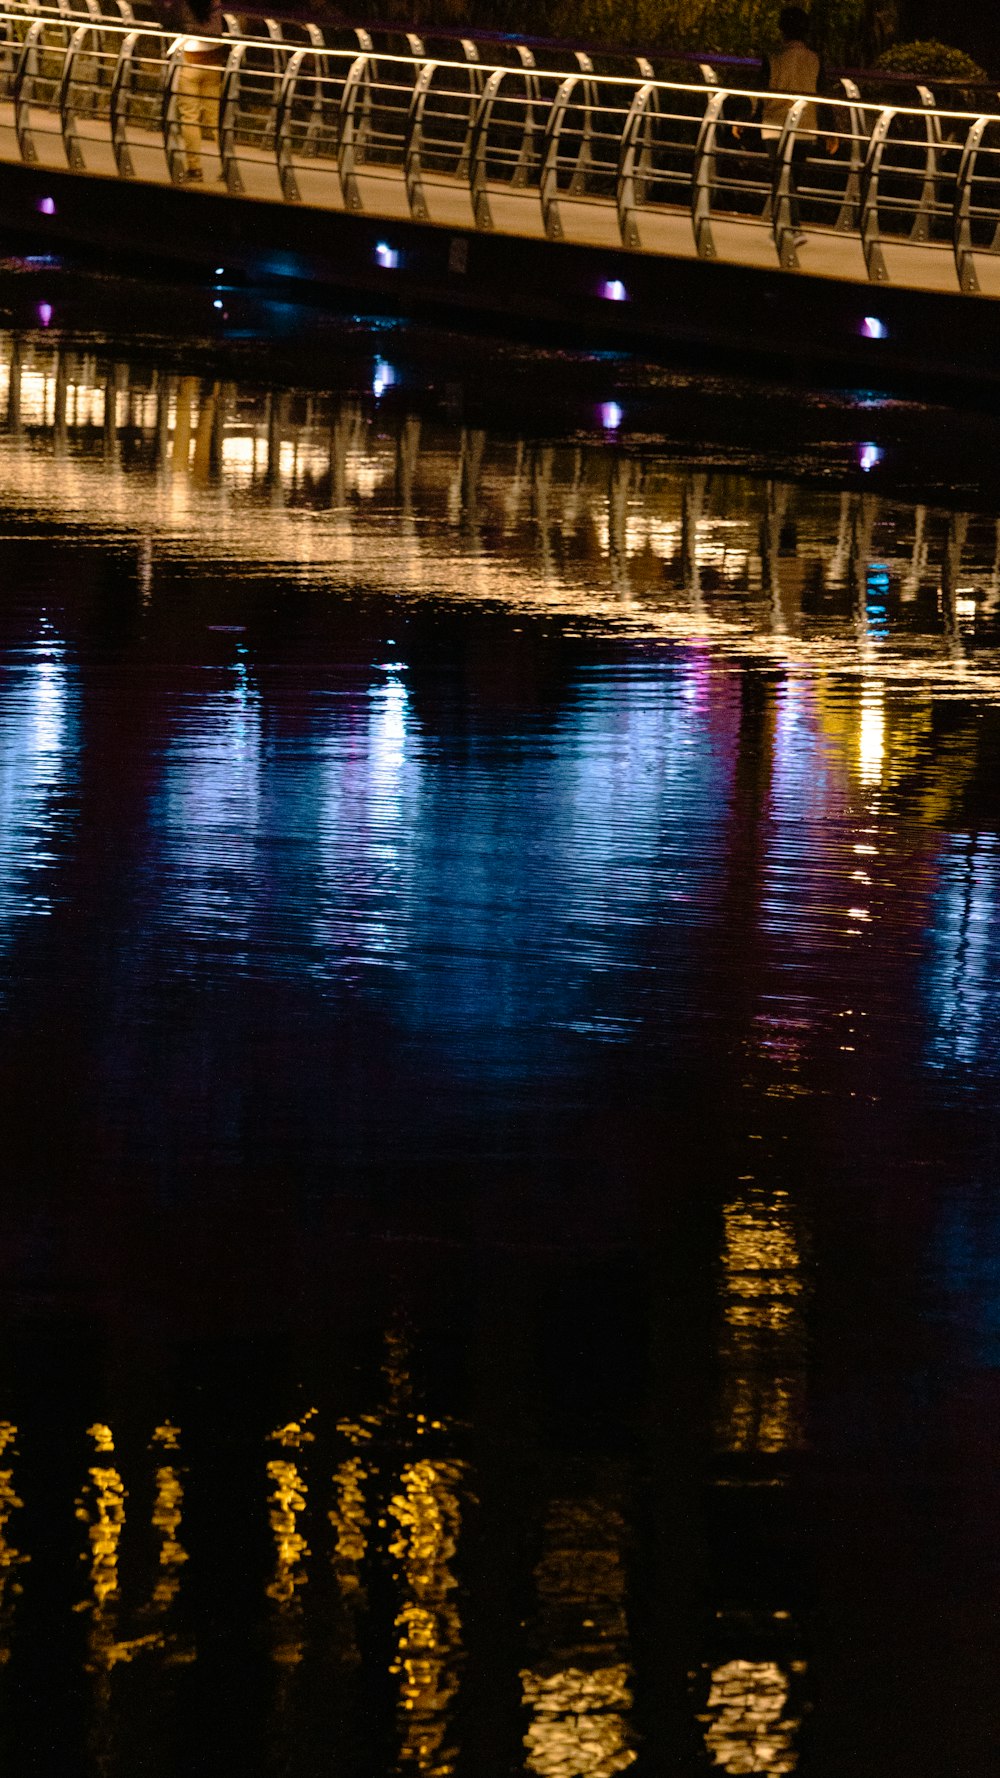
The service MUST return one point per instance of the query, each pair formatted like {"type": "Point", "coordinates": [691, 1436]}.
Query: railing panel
{"type": "Point", "coordinates": [85, 100]}
{"type": "Point", "coordinates": [509, 147]}
{"type": "Point", "coordinates": [137, 107]}
{"type": "Point", "coordinates": [37, 88]}
{"type": "Point", "coordinates": [308, 126]}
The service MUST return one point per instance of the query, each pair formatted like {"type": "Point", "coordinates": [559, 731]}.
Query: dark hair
{"type": "Point", "coordinates": [793, 22]}
{"type": "Point", "coordinates": [202, 10]}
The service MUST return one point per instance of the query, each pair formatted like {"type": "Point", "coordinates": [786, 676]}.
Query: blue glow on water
{"type": "Point", "coordinates": [39, 744]}
{"type": "Point", "coordinates": [962, 974]}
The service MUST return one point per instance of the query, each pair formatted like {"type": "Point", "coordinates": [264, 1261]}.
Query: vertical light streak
{"type": "Point", "coordinates": [427, 1512]}
{"type": "Point", "coordinates": [763, 1331]}
{"type": "Point", "coordinates": [286, 1504]}
{"type": "Point", "coordinates": [168, 1509]}
{"type": "Point", "coordinates": [11, 1558]}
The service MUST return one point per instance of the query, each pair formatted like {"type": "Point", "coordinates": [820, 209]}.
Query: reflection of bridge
{"type": "Point", "coordinates": [577, 530]}
{"type": "Point", "coordinates": [627, 166]}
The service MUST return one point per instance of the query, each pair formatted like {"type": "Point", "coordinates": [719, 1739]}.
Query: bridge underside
{"type": "Point", "coordinates": [574, 294]}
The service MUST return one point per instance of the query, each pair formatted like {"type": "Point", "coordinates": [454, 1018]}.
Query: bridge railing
{"type": "Point", "coordinates": [836, 185]}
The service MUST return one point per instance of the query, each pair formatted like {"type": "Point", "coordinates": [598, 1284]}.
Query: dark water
{"type": "Point", "coordinates": [500, 923]}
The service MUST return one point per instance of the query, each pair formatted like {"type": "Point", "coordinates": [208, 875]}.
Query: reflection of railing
{"type": "Point", "coordinates": [868, 192]}
{"type": "Point", "coordinates": [139, 446]}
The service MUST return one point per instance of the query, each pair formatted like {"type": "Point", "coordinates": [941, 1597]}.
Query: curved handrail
{"type": "Point", "coordinates": [703, 178]}
{"type": "Point", "coordinates": [625, 192]}
{"type": "Point", "coordinates": [548, 189]}
{"type": "Point", "coordinates": [347, 145]}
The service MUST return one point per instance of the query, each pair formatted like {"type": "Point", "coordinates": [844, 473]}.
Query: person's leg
{"type": "Point", "coordinates": [189, 111]}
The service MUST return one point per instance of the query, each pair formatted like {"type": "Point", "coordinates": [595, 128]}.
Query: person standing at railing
{"type": "Point", "coordinates": [199, 85]}
{"type": "Point", "coordinates": [795, 69]}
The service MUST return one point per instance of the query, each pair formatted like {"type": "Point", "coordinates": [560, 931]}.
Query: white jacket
{"type": "Point", "coordinates": [794, 68]}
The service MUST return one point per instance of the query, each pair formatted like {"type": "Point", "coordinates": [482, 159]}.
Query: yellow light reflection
{"type": "Point", "coordinates": [349, 1518]}
{"type": "Point", "coordinates": [747, 1724]}
{"type": "Point", "coordinates": [101, 1507]}
{"type": "Point", "coordinates": [168, 1508]}
{"type": "Point", "coordinates": [286, 1505]}
{"type": "Point", "coordinates": [579, 1726]}
{"type": "Point", "coordinates": [11, 1559]}
{"type": "Point", "coordinates": [579, 1690]}
{"type": "Point", "coordinates": [351, 1525]}
{"type": "Point", "coordinates": [871, 735]}
{"type": "Point", "coordinates": [763, 1334]}
{"type": "Point", "coordinates": [102, 1510]}
{"type": "Point", "coordinates": [427, 1511]}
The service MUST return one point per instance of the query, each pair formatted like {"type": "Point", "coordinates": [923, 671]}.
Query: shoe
{"type": "Point", "coordinates": [799, 240]}
{"type": "Point", "coordinates": [191, 176]}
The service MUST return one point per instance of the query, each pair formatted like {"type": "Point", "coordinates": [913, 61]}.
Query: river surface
{"type": "Point", "coordinates": [499, 1062]}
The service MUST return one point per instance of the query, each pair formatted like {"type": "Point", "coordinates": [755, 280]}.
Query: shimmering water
{"type": "Point", "coordinates": [499, 940]}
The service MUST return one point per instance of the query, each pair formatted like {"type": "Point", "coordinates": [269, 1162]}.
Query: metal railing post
{"type": "Point", "coordinates": [478, 191]}
{"type": "Point", "coordinates": [625, 185]}
{"type": "Point", "coordinates": [783, 186]}
{"type": "Point", "coordinates": [850, 209]}
{"type": "Point", "coordinates": [870, 229]}
{"type": "Point", "coordinates": [283, 112]}
{"type": "Point", "coordinates": [703, 176]}
{"type": "Point", "coordinates": [229, 96]}
{"type": "Point", "coordinates": [412, 171]}
{"type": "Point", "coordinates": [548, 186]}
{"type": "Point", "coordinates": [965, 261]}
{"type": "Point", "coordinates": [121, 86]}
{"type": "Point", "coordinates": [173, 141]}
{"type": "Point", "coordinates": [348, 155]}
{"type": "Point", "coordinates": [932, 129]}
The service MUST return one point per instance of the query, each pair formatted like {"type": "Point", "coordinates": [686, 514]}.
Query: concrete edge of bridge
{"type": "Point", "coordinates": [810, 328]}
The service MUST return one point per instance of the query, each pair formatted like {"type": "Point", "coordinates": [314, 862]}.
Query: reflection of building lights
{"type": "Point", "coordinates": [871, 736]}
{"type": "Point", "coordinates": [610, 415]}
{"type": "Point", "coordinates": [965, 603]}
{"type": "Point", "coordinates": [747, 1728]}
{"type": "Point", "coordinates": [869, 455]}
{"type": "Point", "coordinates": [579, 1721]}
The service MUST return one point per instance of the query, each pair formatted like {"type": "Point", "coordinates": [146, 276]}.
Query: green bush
{"type": "Point", "coordinates": [734, 27]}
{"type": "Point", "coordinates": [930, 61]}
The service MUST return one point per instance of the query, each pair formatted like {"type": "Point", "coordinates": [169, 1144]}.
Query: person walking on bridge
{"type": "Point", "coordinates": [794, 69]}
{"type": "Point", "coordinates": [199, 85]}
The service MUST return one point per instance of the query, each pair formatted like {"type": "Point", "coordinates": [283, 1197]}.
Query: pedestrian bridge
{"type": "Point", "coordinates": [867, 193]}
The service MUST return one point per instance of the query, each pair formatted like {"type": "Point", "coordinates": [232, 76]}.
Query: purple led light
{"type": "Point", "coordinates": [868, 456]}
{"type": "Point", "coordinates": [874, 329]}
{"type": "Point", "coordinates": [47, 206]}
{"type": "Point", "coordinates": [44, 312]}
{"type": "Point", "coordinates": [614, 291]}
{"type": "Point", "coordinates": [610, 415]}
{"type": "Point", "coordinates": [387, 256]}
